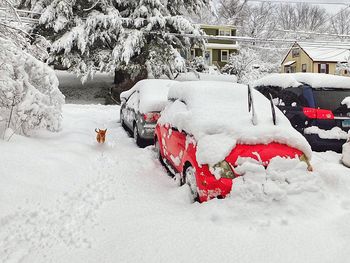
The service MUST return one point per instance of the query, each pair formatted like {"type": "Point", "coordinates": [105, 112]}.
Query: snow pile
{"type": "Point", "coordinates": [278, 80]}
{"type": "Point", "coordinates": [346, 102]}
{"type": "Point", "coordinates": [315, 80]}
{"type": "Point", "coordinates": [282, 177]}
{"type": "Point", "coordinates": [29, 94]}
{"type": "Point", "coordinates": [153, 94]}
{"type": "Point", "coordinates": [334, 133]}
{"type": "Point", "coordinates": [346, 154]}
{"type": "Point", "coordinates": [216, 114]}
{"type": "Point", "coordinates": [210, 76]}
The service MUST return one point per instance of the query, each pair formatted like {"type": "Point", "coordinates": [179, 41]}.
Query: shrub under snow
{"type": "Point", "coordinates": [29, 94]}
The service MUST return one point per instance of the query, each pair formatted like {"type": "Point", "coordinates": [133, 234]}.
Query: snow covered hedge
{"type": "Point", "coordinates": [29, 94]}
{"type": "Point", "coordinates": [251, 64]}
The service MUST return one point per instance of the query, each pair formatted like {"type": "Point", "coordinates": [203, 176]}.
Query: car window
{"type": "Point", "coordinates": [330, 99]}
{"type": "Point", "coordinates": [267, 90]}
{"type": "Point", "coordinates": [284, 97]}
{"type": "Point", "coordinates": [133, 101]}
{"type": "Point", "coordinates": [292, 97]}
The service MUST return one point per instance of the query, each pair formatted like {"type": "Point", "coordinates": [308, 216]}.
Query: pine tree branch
{"type": "Point", "coordinates": [10, 5]}
{"type": "Point", "coordinates": [16, 28]}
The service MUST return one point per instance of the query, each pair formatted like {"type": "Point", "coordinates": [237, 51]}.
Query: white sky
{"type": "Point", "coordinates": [332, 8]}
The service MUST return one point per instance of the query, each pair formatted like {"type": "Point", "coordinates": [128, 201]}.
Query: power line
{"type": "Point", "coordinates": [338, 13]}
{"type": "Point", "coordinates": [313, 33]}
{"type": "Point", "coordinates": [299, 2]}
{"type": "Point", "coordinates": [318, 43]}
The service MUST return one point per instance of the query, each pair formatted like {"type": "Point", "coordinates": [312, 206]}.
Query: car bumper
{"type": "Point", "coordinates": [321, 145]}
{"type": "Point", "coordinates": [147, 131]}
{"type": "Point", "coordinates": [211, 188]}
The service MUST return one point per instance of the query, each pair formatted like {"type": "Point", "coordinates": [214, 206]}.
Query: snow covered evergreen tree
{"type": "Point", "coordinates": [138, 37]}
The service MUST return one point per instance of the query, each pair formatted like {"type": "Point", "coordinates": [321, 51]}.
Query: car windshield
{"type": "Point", "coordinates": [330, 99]}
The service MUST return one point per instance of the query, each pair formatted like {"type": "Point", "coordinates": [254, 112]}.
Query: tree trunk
{"type": "Point", "coordinates": [123, 82]}
{"type": "Point", "coordinates": [119, 76]}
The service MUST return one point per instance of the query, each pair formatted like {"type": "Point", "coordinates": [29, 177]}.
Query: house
{"type": "Point", "coordinates": [217, 51]}
{"type": "Point", "coordinates": [316, 59]}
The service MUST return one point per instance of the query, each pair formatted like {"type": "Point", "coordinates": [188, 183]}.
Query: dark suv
{"type": "Point", "coordinates": [313, 104]}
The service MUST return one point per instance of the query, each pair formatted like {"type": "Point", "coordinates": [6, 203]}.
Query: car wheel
{"type": "Point", "coordinates": [190, 179]}
{"type": "Point", "coordinates": [138, 140]}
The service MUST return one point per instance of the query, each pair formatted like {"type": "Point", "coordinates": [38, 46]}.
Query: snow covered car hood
{"type": "Point", "coordinates": [153, 94]}
{"type": "Point", "coordinates": [216, 114]}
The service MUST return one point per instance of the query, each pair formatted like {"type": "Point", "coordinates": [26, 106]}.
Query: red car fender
{"type": "Point", "coordinates": [208, 186]}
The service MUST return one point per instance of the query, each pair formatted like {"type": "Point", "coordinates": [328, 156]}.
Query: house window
{"type": "Point", "coordinates": [295, 52]}
{"type": "Point", "coordinates": [224, 32]}
{"type": "Point", "coordinates": [224, 55]}
{"type": "Point", "coordinates": [303, 68]}
{"type": "Point", "coordinates": [323, 68]}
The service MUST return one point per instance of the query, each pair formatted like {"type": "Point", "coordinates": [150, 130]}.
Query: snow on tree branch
{"type": "Point", "coordinates": [107, 35]}
{"type": "Point", "coordinates": [29, 94]}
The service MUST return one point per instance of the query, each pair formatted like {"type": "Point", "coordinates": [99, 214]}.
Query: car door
{"type": "Point", "coordinates": [176, 143]}
{"type": "Point", "coordinates": [292, 102]}
{"type": "Point", "coordinates": [130, 109]}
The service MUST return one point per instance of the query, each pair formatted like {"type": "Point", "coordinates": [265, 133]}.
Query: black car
{"type": "Point", "coordinates": [313, 104]}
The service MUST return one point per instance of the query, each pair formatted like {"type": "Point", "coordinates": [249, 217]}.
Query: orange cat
{"type": "Point", "coordinates": [101, 135]}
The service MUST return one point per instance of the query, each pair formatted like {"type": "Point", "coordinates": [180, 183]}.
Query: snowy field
{"type": "Point", "coordinates": [63, 198]}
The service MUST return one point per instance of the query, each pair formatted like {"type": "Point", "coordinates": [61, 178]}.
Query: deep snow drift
{"type": "Point", "coordinates": [63, 198]}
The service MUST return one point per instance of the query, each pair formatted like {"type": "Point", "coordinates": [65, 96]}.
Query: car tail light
{"type": "Point", "coordinates": [321, 114]}
{"type": "Point", "coordinates": [151, 117]}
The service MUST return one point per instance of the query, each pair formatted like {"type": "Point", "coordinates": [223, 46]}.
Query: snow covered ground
{"type": "Point", "coordinates": [63, 198]}
{"type": "Point", "coordinates": [92, 91]}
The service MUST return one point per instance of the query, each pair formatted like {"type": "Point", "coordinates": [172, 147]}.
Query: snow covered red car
{"type": "Point", "coordinates": [207, 127]}
{"type": "Point", "coordinates": [140, 107]}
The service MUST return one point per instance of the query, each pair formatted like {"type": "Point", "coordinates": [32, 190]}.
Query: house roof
{"type": "Point", "coordinates": [289, 63]}
{"type": "Point", "coordinates": [327, 54]}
